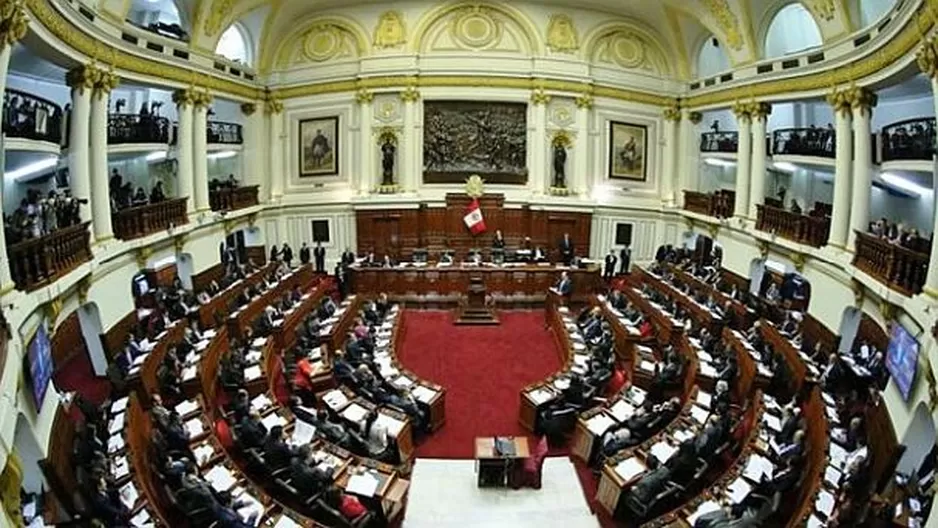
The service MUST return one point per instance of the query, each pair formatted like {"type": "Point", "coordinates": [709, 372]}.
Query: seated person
{"type": "Point", "coordinates": [251, 430]}
{"type": "Point", "coordinates": [376, 439]}
{"type": "Point", "coordinates": [714, 434]}
{"type": "Point", "coordinates": [277, 452]}
{"type": "Point", "coordinates": [332, 431]}
{"type": "Point", "coordinates": [306, 475]}
{"type": "Point", "coordinates": [347, 505]}
{"type": "Point", "coordinates": [240, 406]}
{"type": "Point", "coordinates": [720, 403]}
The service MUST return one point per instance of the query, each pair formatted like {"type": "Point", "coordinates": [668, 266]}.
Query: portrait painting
{"type": "Point", "coordinates": [463, 138]}
{"type": "Point", "coordinates": [319, 147]}
{"type": "Point", "coordinates": [628, 151]}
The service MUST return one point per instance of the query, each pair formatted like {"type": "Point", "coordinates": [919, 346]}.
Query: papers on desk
{"type": "Point", "coordinates": [832, 476]}
{"type": "Point", "coordinates": [814, 522]}
{"type": "Point", "coordinates": [252, 373]}
{"type": "Point", "coordinates": [272, 420]}
{"type": "Point", "coordinates": [645, 351]}
{"type": "Point", "coordinates": [706, 369]}
{"type": "Point", "coordinates": [261, 402]}
{"type": "Point", "coordinates": [142, 519]}
{"type": "Point", "coordinates": [824, 503]}
{"type": "Point", "coordinates": [663, 451]}
{"type": "Point", "coordinates": [355, 413]}
{"type": "Point", "coordinates": [622, 410]}
{"type": "Point", "coordinates": [772, 422]}
{"type": "Point", "coordinates": [365, 484]}
{"type": "Point", "coordinates": [252, 510]}
{"type": "Point", "coordinates": [647, 366]}
{"type": "Point", "coordinates": [203, 453]}
{"type": "Point", "coordinates": [599, 424]}
{"type": "Point", "coordinates": [393, 425]}
{"type": "Point", "coordinates": [115, 443]}
{"type": "Point", "coordinates": [577, 346]}
{"type": "Point", "coordinates": [637, 395]}
{"type": "Point", "coordinates": [120, 468]}
{"type": "Point", "coordinates": [315, 354]}
{"type": "Point", "coordinates": [129, 495]}
{"type": "Point", "coordinates": [630, 468]}
{"type": "Point", "coordinates": [220, 478]}
{"type": "Point", "coordinates": [764, 370]}
{"type": "Point", "coordinates": [705, 357]}
{"type": "Point", "coordinates": [194, 427]}
{"type": "Point", "coordinates": [302, 433]}
{"type": "Point", "coordinates": [423, 394]}
{"type": "Point", "coordinates": [758, 466]}
{"type": "Point", "coordinates": [119, 406]}
{"type": "Point", "coordinates": [683, 435]}
{"type": "Point", "coordinates": [699, 414]}
{"type": "Point", "coordinates": [704, 399]}
{"type": "Point", "coordinates": [703, 509]}
{"type": "Point", "coordinates": [581, 359]}
{"type": "Point", "coordinates": [187, 407]}
{"type": "Point", "coordinates": [335, 399]}
{"type": "Point", "coordinates": [838, 455]}
{"type": "Point", "coordinates": [189, 373]}
{"type": "Point", "coordinates": [259, 342]}
{"type": "Point", "coordinates": [388, 371]}
{"type": "Point", "coordinates": [253, 356]}
{"type": "Point", "coordinates": [738, 490]}
{"type": "Point", "coordinates": [561, 383]}
{"type": "Point", "coordinates": [403, 382]}
{"type": "Point", "coordinates": [117, 424]}
{"type": "Point", "coordinates": [540, 396]}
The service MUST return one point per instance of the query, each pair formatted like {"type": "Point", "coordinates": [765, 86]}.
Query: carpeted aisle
{"type": "Point", "coordinates": [483, 369]}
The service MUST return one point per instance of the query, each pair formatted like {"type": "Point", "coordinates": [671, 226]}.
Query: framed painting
{"type": "Point", "coordinates": [319, 147]}
{"type": "Point", "coordinates": [628, 151]}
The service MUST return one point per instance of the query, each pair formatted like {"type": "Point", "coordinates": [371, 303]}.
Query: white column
{"type": "Point", "coordinates": [410, 173]}
{"type": "Point", "coordinates": [540, 174]}
{"type": "Point", "coordinates": [670, 152]}
{"type": "Point", "coordinates": [759, 114]}
{"type": "Point", "coordinates": [100, 203]}
{"type": "Point", "coordinates": [6, 282]}
{"type": "Point", "coordinates": [743, 159]}
{"type": "Point", "coordinates": [184, 148]}
{"type": "Point", "coordinates": [200, 152]}
{"type": "Point", "coordinates": [862, 103]}
{"type": "Point", "coordinates": [253, 161]}
{"type": "Point", "coordinates": [368, 177]}
{"type": "Point", "coordinates": [275, 144]}
{"type": "Point", "coordinates": [931, 281]}
{"type": "Point", "coordinates": [689, 146]}
{"type": "Point", "coordinates": [843, 145]}
{"type": "Point", "coordinates": [579, 182]}
{"type": "Point", "coordinates": [81, 80]}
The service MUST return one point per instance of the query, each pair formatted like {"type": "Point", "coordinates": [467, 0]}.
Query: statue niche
{"type": "Point", "coordinates": [560, 144]}
{"type": "Point", "coordinates": [387, 141]}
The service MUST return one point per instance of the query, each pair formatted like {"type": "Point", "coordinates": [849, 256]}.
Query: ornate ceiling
{"type": "Point", "coordinates": [662, 36]}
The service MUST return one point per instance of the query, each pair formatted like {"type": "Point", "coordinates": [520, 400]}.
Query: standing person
{"type": "Point", "coordinates": [610, 265]}
{"type": "Point", "coordinates": [566, 249]}
{"type": "Point", "coordinates": [274, 253]}
{"type": "Point", "coordinates": [340, 279]}
{"type": "Point", "coordinates": [320, 254]}
{"type": "Point", "coordinates": [286, 253]}
{"type": "Point", "coordinates": [304, 254]}
{"type": "Point", "coordinates": [625, 259]}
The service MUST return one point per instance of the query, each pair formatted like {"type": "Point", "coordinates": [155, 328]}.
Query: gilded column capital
{"type": "Point", "coordinates": [839, 101]}
{"type": "Point", "coordinates": [202, 99]}
{"type": "Point", "coordinates": [82, 78]}
{"type": "Point", "coordinates": [13, 22]}
{"type": "Point", "coordinates": [927, 57]}
{"type": "Point", "coordinates": [410, 94]}
{"type": "Point", "coordinates": [183, 98]}
{"type": "Point", "coordinates": [540, 97]}
{"type": "Point", "coordinates": [695, 117]}
{"type": "Point", "coordinates": [248, 109]}
{"type": "Point", "coordinates": [364, 96]}
{"type": "Point", "coordinates": [584, 101]}
{"type": "Point", "coordinates": [759, 110]}
{"type": "Point", "coordinates": [672, 113]}
{"type": "Point", "coordinates": [273, 106]}
{"type": "Point", "coordinates": [861, 98]}
{"type": "Point", "coordinates": [741, 110]}
{"type": "Point", "coordinates": [105, 81]}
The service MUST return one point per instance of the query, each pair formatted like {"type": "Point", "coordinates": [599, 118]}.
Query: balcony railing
{"type": "Point", "coordinates": [224, 133]}
{"type": "Point", "coordinates": [727, 142]}
{"type": "Point", "coordinates": [899, 268]}
{"type": "Point", "coordinates": [719, 204]}
{"type": "Point", "coordinates": [40, 261]}
{"type": "Point", "coordinates": [804, 229]}
{"type": "Point", "coordinates": [30, 117]}
{"type": "Point", "coordinates": [912, 139]}
{"type": "Point", "coordinates": [135, 128]}
{"type": "Point", "coordinates": [140, 221]}
{"type": "Point", "coordinates": [811, 141]}
{"type": "Point", "coordinates": [232, 199]}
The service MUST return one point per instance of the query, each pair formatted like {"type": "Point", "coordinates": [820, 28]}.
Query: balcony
{"type": "Point", "coordinates": [720, 142]}
{"type": "Point", "coordinates": [232, 199]}
{"type": "Point", "coordinates": [222, 133]}
{"type": "Point", "coordinates": [812, 141]}
{"type": "Point", "coordinates": [803, 229]}
{"type": "Point", "coordinates": [899, 268]}
{"type": "Point", "coordinates": [124, 129]}
{"type": "Point", "coordinates": [40, 261]}
{"type": "Point", "coordinates": [143, 220]}
{"type": "Point", "coordinates": [27, 116]}
{"type": "Point", "coordinates": [912, 139]}
{"type": "Point", "coordinates": [720, 204]}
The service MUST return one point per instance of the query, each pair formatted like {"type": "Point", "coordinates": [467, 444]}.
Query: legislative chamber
{"type": "Point", "coordinates": [293, 264]}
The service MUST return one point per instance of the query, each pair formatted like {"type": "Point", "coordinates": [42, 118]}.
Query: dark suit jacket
{"type": "Point", "coordinates": [565, 286]}
{"type": "Point", "coordinates": [307, 479]}
{"type": "Point", "coordinates": [304, 255]}
{"type": "Point", "coordinates": [277, 453]}
{"type": "Point", "coordinates": [251, 432]}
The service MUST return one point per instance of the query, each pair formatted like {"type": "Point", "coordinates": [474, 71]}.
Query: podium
{"type": "Point", "coordinates": [475, 310]}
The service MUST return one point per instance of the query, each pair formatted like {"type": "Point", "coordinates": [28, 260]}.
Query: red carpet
{"type": "Point", "coordinates": [483, 368]}
{"type": "Point", "coordinates": [76, 375]}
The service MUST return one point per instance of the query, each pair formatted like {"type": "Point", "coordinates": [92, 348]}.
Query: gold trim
{"type": "Point", "coordinates": [930, 292]}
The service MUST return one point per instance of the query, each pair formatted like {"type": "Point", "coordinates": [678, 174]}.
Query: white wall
{"type": "Point", "coordinates": [914, 212]}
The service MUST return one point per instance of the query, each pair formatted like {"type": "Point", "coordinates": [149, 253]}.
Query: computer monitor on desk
{"type": "Point", "coordinates": [420, 256]}
{"type": "Point", "coordinates": [498, 256]}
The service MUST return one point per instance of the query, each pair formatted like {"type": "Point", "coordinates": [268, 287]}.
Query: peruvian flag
{"type": "Point", "coordinates": [473, 218]}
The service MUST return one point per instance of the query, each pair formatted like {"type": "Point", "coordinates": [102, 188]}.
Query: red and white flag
{"type": "Point", "coordinates": [473, 218]}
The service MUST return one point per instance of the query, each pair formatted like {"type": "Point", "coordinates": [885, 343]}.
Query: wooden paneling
{"type": "Point", "coordinates": [257, 254]}
{"type": "Point", "coordinates": [57, 467]}
{"type": "Point", "coordinates": [162, 276]}
{"type": "Point", "coordinates": [200, 281]}
{"type": "Point", "coordinates": [883, 443]}
{"type": "Point", "coordinates": [870, 332]}
{"type": "Point", "coordinates": [815, 332]}
{"type": "Point", "coordinates": [67, 341]}
{"type": "Point", "coordinates": [113, 340]}
{"type": "Point", "coordinates": [397, 232]}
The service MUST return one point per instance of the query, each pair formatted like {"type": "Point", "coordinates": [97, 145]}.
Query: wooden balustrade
{"type": "Point", "coordinates": [136, 222]}
{"type": "Point", "coordinates": [899, 268]}
{"type": "Point", "coordinates": [804, 229]}
{"type": "Point", "coordinates": [40, 261]}
{"type": "Point", "coordinates": [719, 204]}
{"type": "Point", "coordinates": [232, 199]}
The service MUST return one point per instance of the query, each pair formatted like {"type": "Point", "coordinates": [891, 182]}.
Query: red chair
{"type": "Point", "coordinates": [528, 473]}
{"type": "Point", "coordinates": [616, 383]}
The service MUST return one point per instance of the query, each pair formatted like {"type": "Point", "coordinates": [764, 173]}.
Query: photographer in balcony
{"type": "Point", "coordinates": [37, 216]}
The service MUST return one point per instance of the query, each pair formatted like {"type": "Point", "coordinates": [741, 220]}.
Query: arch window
{"type": "Point", "coordinates": [148, 12]}
{"type": "Point", "coordinates": [872, 10]}
{"type": "Point", "coordinates": [235, 45]}
{"type": "Point", "coordinates": [792, 30]}
{"type": "Point", "coordinates": [711, 59]}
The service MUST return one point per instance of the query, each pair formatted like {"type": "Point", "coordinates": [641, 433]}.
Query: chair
{"type": "Point", "coordinates": [528, 473]}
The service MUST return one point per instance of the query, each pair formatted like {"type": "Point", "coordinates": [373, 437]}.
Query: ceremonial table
{"type": "Point", "coordinates": [495, 467]}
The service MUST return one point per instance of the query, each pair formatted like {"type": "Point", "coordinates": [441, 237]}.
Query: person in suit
{"type": "Point", "coordinates": [306, 476]}
{"type": "Point", "coordinates": [539, 255]}
{"type": "Point", "coordinates": [348, 257]}
{"type": "Point", "coordinates": [251, 430]}
{"type": "Point", "coordinates": [287, 254]}
{"type": "Point", "coordinates": [277, 453]}
{"type": "Point", "coordinates": [499, 241]}
{"type": "Point", "coordinates": [564, 285]}
{"type": "Point", "coordinates": [566, 249]}
{"type": "Point", "coordinates": [791, 422]}
{"type": "Point", "coordinates": [713, 435]}
{"type": "Point", "coordinates": [274, 253]}
{"type": "Point", "coordinates": [240, 406]}
{"type": "Point", "coordinates": [319, 255]}
{"type": "Point", "coordinates": [304, 255]}
{"type": "Point", "coordinates": [610, 265]}
{"type": "Point", "coordinates": [793, 450]}
{"type": "Point", "coordinates": [625, 260]}
{"type": "Point", "coordinates": [387, 263]}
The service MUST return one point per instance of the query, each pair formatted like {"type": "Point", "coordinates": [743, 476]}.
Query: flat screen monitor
{"type": "Point", "coordinates": [902, 359]}
{"type": "Point", "coordinates": [39, 365]}
{"type": "Point", "coordinates": [141, 285]}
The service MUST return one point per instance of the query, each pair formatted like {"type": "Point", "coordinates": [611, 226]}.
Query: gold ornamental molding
{"type": "Point", "coordinates": [672, 113]}
{"type": "Point", "coordinates": [839, 101]}
{"type": "Point", "coordinates": [695, 117]}
{"type": "Point", "coordinates": [248, 109]}
{"type": "Point", "coordinates": [13, 22]}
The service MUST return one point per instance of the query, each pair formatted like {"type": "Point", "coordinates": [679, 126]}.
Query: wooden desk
{"type": "Point", "coordinates": [527, 283]}
{"type": "Point", "coordinates": [222, 302]}
{"type": "Point", "coordinates": [245, 316]}
{"type": "Point", "coordinates": [666, 328]}
{"type": "Point", "coordinates": [625, 337]}
{"type": "Point", "coordinates": [494, 468]}
{"type": "Point", "coordinates": [744, 315]}
{"type": "Point", "coordinates": [702, 316]}
{"type": "Point", "coordinates": [437, 403]}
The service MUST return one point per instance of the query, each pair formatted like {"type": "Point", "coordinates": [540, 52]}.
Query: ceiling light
{"type": "Point", "coordinates": [158, 155]}
{"type": "Point", "coordinates": [785, 166]}
{"type": "Point", "coordinates": [223, 154]}
{"type": "Point", "coordinates": [903, 184]}
{"type": "Point", "coordinates": [32, 168]}
{"type": "Point", "coordinates": [717, 162]}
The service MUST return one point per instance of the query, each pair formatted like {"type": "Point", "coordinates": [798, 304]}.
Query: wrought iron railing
{"type": "Point", "coordinates": [28, 116]}
{"type": "Point", "coordinates": [726, 142]}
{"type": "Point", "coordinates": [812, 141]}
{"type": "Point", "coordinates": [912, 139]}
{"type": "Point", "coordinates": [136, 128]}
{"type": "Point", "coordinates": [224, 133]}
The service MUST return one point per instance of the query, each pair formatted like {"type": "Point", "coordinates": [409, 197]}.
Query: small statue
{"type": "Point", "coordinates": [560, 160]}
{"type": "Point", "coordinates": [387, 161]}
